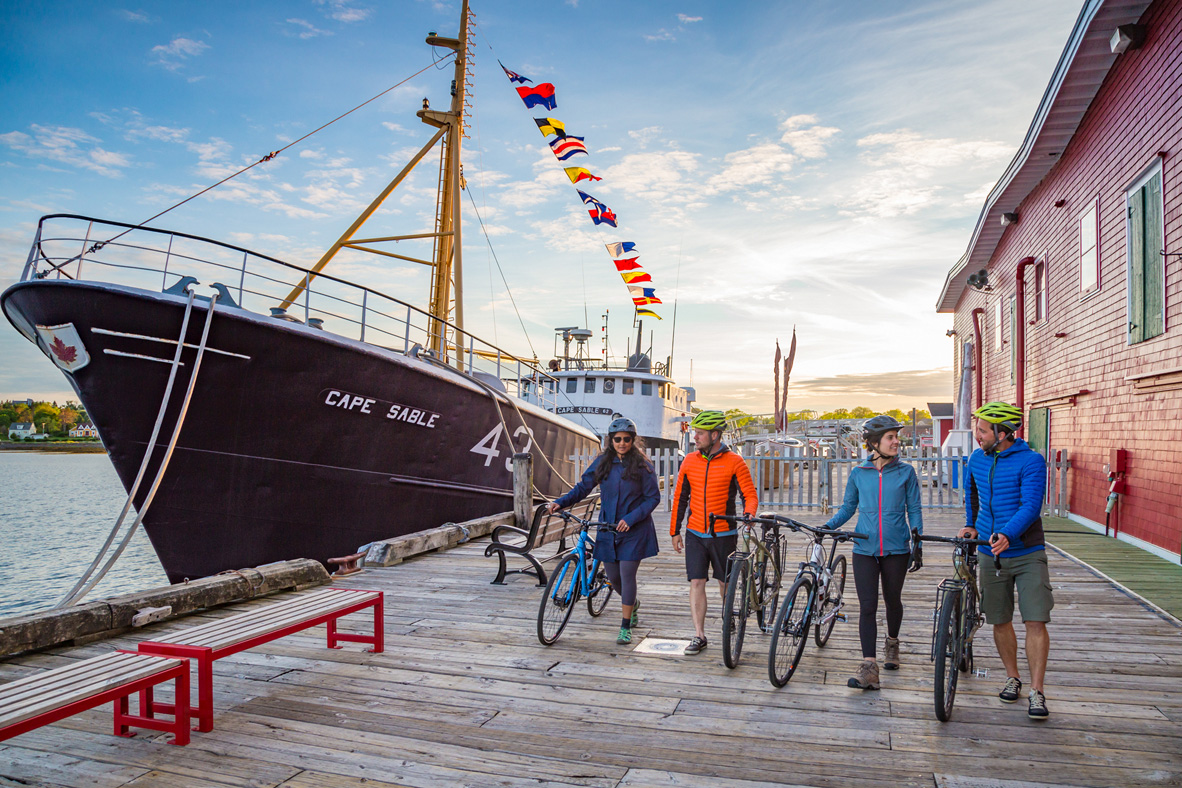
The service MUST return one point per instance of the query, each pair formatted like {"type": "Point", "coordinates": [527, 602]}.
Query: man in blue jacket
{"type": "Point", "coordinates": [1006, 481]}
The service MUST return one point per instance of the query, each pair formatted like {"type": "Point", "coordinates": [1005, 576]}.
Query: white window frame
{"type": "Point", "coordinates": [1147, 174]}
{"type": "Point", "coordinates": [1042, 298]}
{"type": "Point", "coordinates": [1094, 211]}
{"type": "Point", "coordinates": [998, 317]}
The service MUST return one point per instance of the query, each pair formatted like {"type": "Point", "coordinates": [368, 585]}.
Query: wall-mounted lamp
{"type": "Point", "coordinates": [1008, 218]}
{"type": "Point", "coordinates": [950, 332]}
{"type": "Point", "coordinates": [1060, 203]}
{"type": "Point", "coordinates": [1127, 37]}
{"type": "Point", "coordinates": [979, 280]}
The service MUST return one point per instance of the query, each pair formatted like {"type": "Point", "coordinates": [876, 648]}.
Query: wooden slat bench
{"type": "Point", "coordinates": [543, 529]}
{"type": "Point", "coordinates": [226, 636]}
{"type": "Point", "coordinates": [29, 703]}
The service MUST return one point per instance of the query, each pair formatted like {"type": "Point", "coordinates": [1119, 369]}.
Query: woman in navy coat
{"type": "Point", "coordinates": [628, 494]}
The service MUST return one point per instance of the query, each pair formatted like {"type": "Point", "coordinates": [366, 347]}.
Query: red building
{"type": "Point", "coordinates": [1071, 289]}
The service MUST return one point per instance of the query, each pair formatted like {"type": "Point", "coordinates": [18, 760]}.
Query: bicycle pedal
{"type": "Point", "coordinates": [981, 673]}
{"type": "Point", "coordinates": [841, 617]}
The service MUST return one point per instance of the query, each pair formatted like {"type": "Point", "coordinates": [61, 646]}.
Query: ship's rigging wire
{"type": "Point", "coordinates": [88, 585]}
{"type": "Point", "coordinates": [512, 300]}
{"type": "Point", "coordinates": [100, 244]}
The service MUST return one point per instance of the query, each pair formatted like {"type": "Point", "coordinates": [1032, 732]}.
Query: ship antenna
{"type": "Point", "coordinates": [676, 293]}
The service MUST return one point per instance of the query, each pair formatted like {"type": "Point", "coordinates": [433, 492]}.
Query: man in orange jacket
{"type": "Point", "coordinates": [708, 483]}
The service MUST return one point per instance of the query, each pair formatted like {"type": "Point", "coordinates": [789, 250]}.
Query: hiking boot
{"type": "Point", "coordinates": [625, 637]}
{"type": "Point", "coordinates": [696, 645]}
{"type": "Point", "coordinates": [890, 654]}
{"type": "Point", "coordinates": [866, 678]}
{"type": "Point", "coordinates": [1011, 691]}
{"type": "Point", "coordinates": [635, 618]}
{"type": "Point", "coordinates": [1038, 706]}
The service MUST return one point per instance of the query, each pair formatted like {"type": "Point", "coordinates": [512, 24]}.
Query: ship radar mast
{"type": "Point", "coordinates": [446, 299]}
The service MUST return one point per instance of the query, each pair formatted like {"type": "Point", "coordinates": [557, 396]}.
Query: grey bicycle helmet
{"type": "Point", "coordinates": [622, 425]}
{"type": "Point", "coordinates": [876, 427]}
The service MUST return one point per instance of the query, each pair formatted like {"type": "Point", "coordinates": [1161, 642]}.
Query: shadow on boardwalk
{"type": "Point", "coordinates": [465, 695]}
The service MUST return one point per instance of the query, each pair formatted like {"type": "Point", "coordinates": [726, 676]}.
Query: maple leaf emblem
{"type": "Point", "coordinates": [67, 353]}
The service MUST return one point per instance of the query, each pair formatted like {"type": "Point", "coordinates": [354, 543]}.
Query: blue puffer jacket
{"type": "Point", "coordinates": [886, 501]}
{"type": "Point", "coordinates": [1005, 493]}
{"type": "Point", "coordinates": [621, 498]}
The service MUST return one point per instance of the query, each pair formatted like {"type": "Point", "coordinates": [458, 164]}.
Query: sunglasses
{"type": "Point", "coordinates": [621, 439]}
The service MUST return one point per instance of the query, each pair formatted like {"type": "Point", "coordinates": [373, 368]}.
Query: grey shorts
{"type": "Point", "coordinates": [1026, 573]}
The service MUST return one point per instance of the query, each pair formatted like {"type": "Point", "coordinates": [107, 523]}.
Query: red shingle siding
{"type": "Point", "coordinates": [1136, 114]}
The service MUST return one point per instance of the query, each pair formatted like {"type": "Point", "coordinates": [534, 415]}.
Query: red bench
{"type": "Point", "coordinates": [226, 636]}
{"type": "Point", "coordinates": [29, 703]}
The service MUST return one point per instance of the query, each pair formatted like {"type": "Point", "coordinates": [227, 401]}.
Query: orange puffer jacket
{"type": "Point", "coordinates": [709, 485]}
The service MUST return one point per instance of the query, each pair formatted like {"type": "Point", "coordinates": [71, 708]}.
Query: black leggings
{"type": "Point", "coordinates": [867, 571]}
{"type": "Point", "coordinates": [622, 576]}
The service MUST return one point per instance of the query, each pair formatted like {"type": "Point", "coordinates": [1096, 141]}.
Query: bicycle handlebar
{"type": "Point", "coordinates": [737, 519]}
{"type": "Point", "coordinates": [796, 525]}
{"type": "Point", "coordinates": [959, 541]}
{"type": "Point", "coordinates": [568, 517]}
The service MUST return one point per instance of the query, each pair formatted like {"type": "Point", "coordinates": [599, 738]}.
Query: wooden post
{"type": "Point", "coordinates": [523, 488]}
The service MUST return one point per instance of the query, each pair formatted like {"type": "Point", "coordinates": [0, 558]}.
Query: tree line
{"type": "Point", "coordinates": [48, 417]}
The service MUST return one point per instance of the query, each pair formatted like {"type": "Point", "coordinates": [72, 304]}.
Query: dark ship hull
{"type": "Point", "coordinates": [297, 443]}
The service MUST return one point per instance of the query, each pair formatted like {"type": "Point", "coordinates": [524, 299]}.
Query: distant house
{"type": "Point", "coordinates": [86, 430]}
{"type": "Point", "coordinates": [1068, 295]}
{"type": "Point", "coordinates": [21, 429]}
{"type": "Point", "coordinates": [941, 421]}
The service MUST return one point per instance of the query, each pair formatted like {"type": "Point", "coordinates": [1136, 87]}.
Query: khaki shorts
{"type": "Point", "coordinates": [1028, 573]}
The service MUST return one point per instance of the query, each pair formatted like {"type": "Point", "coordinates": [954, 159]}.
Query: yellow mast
{"type": "Point", "coordinates": [447, 292]}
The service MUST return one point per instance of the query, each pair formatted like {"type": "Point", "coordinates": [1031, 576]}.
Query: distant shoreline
{"type": "Point", "coordinates": [67, 448]}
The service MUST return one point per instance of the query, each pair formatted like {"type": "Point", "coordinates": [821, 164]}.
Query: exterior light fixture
{"type": "Point", "coordinates": [979, 280]}
{"type": "Point", "coordinates": [1127, 37]}
{"type": "Point", "coordinates": [1008, 218]}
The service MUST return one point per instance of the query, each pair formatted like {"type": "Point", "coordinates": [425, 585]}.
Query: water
{"type": "Point", "coordinates": [56, 511]}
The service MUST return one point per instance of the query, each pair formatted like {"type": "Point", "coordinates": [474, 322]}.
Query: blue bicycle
{"type": "Point", "coordinates": [578, 575]}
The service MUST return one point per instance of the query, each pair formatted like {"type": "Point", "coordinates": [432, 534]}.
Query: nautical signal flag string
{"type": "Point", "coordinates": [564, 145]}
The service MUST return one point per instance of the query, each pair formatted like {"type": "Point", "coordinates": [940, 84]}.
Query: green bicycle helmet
{"type": "Point", "coordinates": [709, 420]}
{"type": "Point", "coordinates": [1001, 414]}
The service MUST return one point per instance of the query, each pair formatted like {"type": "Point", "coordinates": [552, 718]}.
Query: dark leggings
{"type": "Point", "coordinates": [867, 571]}
{"type": "Point", "coordinates": [622, 576]}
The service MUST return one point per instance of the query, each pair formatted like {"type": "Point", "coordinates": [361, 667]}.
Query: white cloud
{"type": "Point", "coordinates": [344, 11]}
{"type": "Point", "coordinates": [393, 127]}
{"type": "Point", "coordinates": [807, 139]}
{"type": "Point", "coordinates": [646, 135]}
{"type": "Point", "coordinates": [302, 28]}
{"type": "Point", "coordinates": [661, 35]}
{"type": "Point", "coordinates": [66, 145]}
{"type": "Point", "coordinates": [685, 20]}
{"type": "Point", "coordinates": [135, 16]}
{"type": "Point", "coordinates": [173, 55]}
{"type": "Point", "coordinates": [311, 154]}
{"type": "Point", "coordinates": [759, 164]}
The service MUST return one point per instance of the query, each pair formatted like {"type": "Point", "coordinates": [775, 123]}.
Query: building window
{"type": "Point", "coordinates": [572, 385]}
{"type": "Point", "coordinates": [609, 385]}
{"type": "Point", "coordinates": [1040, 291]}
{"type": "Point", "coordinates": [1089, 250]}
{"type": "Point", "coordinates": [997, 343]}
{"type": "Point", "coordinates": [589, 386]}
{"type": "Point", "coordinates": [646, 388]}
{"type": "Point", "coordinates": [1147, 274]}
{"type": "Point", "coordinates": [629, 386]}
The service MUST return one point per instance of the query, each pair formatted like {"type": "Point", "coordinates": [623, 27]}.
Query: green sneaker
{"type": "Point", "coordinates": [635, 618]}
{"type": "Point", "coordinates": [625, 637]}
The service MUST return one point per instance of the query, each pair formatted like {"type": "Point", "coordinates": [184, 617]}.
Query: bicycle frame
{"type": "Point", "coordinates": [583, 574]}
{"type": "Point", "coordinates": [746, 553]}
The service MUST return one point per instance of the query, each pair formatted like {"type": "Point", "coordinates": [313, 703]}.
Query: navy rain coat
{"type": "Point", "coordinates": [630, 500]}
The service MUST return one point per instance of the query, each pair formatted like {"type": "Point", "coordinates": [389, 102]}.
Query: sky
{"type": "Point", "coordinates": [807, 164]}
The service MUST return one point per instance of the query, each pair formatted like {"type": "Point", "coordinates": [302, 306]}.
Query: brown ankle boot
{"type": "Point", "coordinates": [866, 678]}
{"type": "Point", "coordinates": [890, 654]}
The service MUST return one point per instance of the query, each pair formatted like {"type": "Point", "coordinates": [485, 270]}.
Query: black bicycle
{"type": "Point", "coordinates": [955, 619]}
{"type": "Point", "coordinates": [753, 575]}
{"type": "Point", "coordinates": [813, 602]}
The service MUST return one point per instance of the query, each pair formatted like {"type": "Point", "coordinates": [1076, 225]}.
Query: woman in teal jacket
{"type": "Point", "coordinates": [885, 493]}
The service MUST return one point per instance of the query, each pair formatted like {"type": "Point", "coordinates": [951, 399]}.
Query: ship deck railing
{"type": "Point", "coordinates": [69, 246]}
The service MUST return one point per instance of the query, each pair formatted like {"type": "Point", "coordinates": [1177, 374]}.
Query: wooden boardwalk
{"type": "Point", "coordinates": [466, 696]}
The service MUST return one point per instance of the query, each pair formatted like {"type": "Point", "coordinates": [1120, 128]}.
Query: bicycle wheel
{"type": "Point", "coordinates": [767, 577]}
{"type": "Point", "coordinates": [832, 602]}
{"type": "Point", "coordinates": [734, 612]}
{"type": "Point", "coordinates": [601, 592]}
{"type": "Point", "coordinates": [791, 631]}
{"type": "Point", "coordinates": [947, 652]}
{"type": "Point", "coordinates": [562, 594]}
{"type": "Point", "coordinates": [970, 623]}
